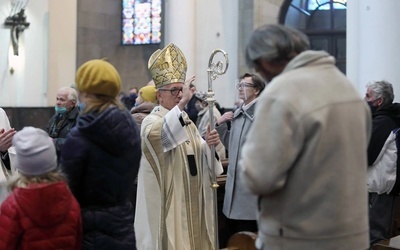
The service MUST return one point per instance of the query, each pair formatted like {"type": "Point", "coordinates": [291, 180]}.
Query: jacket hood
{"type": "Point", "coordinates": [392, 110]}
{"type": "Point", "coordinates": [45, 204]}
{"type": "Point", "coordinates": [111, 129]}
{"type": "Point", "coordinates": [308, 57]}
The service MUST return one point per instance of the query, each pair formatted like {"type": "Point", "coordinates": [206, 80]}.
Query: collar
{"type": "Point", "coordinates": [247, 106]}
{"type": "Point", "coordinates": [73, 113]}
{"type": "Point", "coordinates": [248, 112]}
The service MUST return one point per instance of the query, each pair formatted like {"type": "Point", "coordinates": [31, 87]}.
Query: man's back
{"type": "Point", "coordinates": [311, 135]}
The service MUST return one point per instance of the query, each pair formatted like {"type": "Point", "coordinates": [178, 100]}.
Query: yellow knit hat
{"type": "Point", "coordinates": [98, 77]}
{"type": "Point", "coordinates": [167, 66]}
{"type": "Point", "coordinates": [148, 94]}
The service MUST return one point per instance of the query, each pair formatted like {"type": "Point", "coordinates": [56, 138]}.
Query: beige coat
{"type": "Point", "coordinates": [305, 156]}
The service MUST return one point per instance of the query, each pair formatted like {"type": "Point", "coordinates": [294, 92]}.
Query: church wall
{"type": "Point", "coordinates": [65, 34]}
{"type": "Point", "coordinates": [372, 43]}
{"type": "Point", "coordinates": [23, 78]}
{"type": "Point", "coordinates": [99, 36]}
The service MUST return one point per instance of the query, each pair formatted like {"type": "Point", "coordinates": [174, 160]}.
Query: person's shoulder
{"type": "Point", "coordinates": [384, 122]}
{"type": "Point", "coordinates": [8, 207]}
{"type": "Point", "coordinates": [74, 113]}
{"type": "Point", "coordinates": [74, 133]}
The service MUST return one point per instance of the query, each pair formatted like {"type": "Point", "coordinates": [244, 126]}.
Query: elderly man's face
{"type": "Point", "coordinates": [373, 100]}
{"type": "Point", "coordinates": [246, 89]}
{"type": "Point", "coordinates": [370, 95]}
{"type": "Point", "coordinates": [170, 95]}
{"type": "Point", "coordinates": [63, 101]}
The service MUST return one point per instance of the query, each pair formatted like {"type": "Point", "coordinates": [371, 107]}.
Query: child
{"type": "Point", "coordinates": [40, 212]}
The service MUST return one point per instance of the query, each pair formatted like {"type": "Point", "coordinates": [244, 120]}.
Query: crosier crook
{"type": "Point", "coordinates": [214, 70]}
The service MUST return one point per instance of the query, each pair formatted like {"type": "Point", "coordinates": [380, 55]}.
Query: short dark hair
{"type": "Point", "coordinates": [258, 83]}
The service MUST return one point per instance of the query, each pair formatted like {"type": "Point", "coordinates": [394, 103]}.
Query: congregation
{"type": "Point", "coordinates": [108, 174]}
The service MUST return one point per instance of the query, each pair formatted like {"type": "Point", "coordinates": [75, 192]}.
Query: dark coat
{"type": "Point", "coordinates": [191, 109]}
{"type": "Point", "coordinates": [381, 206]}
{"type": "Point", "coordinates": [58, 127]}
{"type": "Point", "coordinates": [383, 122]}
{"type": "Point", "coordinates": [101, 159]}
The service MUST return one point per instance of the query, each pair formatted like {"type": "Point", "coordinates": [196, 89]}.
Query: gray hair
{"type": "Point", "coordinates": [382, 89]}
{"type": "Point", "coordinates": [275, 43]}
{"type": "Point", "coordinates": [72, 95]}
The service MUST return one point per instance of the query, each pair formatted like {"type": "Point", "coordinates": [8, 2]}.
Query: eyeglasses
{"type": "Point", "coordinates": [174, 91]}
{"type": "Point", "coordinates": [244, 84]}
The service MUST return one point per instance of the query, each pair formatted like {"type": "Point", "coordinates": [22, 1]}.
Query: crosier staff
{"type": "Point", "coordinates": [214, 70]}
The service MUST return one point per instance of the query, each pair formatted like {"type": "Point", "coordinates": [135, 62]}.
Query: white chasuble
{"type": "Point", "coordinates": [175, 205]}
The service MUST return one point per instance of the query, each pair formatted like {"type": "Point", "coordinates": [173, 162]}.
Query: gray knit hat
{"type": "Point", "coordinates": [36, 154]}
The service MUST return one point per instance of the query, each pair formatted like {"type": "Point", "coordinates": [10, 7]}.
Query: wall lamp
{"type": "Point", "coordinates": [18, 24]}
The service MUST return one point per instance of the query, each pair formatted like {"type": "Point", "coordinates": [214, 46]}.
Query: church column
{"type": "Point", "coordinates": [372, 43]}
{"type": "Point", "coordinates": [180, 29]}
{"type": "Point", "coordinates": [62, 46]}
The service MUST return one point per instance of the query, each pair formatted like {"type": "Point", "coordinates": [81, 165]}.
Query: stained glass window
{"type": "Point", "coordinates": [141, 22]}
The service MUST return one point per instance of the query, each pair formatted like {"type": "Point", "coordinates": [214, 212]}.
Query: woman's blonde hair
{"type": "Point", "coordinates": [100, 103]}
{"type": "Point", "coordinates": [20, 180]}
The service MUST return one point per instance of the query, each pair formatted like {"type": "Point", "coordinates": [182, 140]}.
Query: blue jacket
{"type": "Point", "coordinates": [101, 158]}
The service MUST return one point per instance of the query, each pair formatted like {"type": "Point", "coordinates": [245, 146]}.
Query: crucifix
{"type": "Point", "coordinates": [17, 21]}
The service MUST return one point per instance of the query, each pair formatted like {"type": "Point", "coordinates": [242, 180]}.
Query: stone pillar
{"type": "Point", "coordinates": [198, 28]}
{"type": "Point", "coordinates": [180, 29]}
{"type": "Point", "coordinates": [373, 51]}
{"type": "Point", "coordinates": [62, 46]}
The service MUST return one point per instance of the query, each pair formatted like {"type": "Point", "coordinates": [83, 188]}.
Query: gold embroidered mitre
{"type": "Point", "coordinates": [167, 66]}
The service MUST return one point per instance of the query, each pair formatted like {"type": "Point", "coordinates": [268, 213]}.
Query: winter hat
{"type": "Point", "coordinates": [148, 94]}
{"type": "Point", "coordinates": [202, 96]}
{"type": "Point", "coordinates": [35, 152]}
{"type": "Point", "coordinates": [98, 77]}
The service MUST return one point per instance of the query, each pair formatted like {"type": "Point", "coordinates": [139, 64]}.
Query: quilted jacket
{"type": "Point", "coordinates": [41, 216]}
{"type": "Point", "coordinates": [101, 158]}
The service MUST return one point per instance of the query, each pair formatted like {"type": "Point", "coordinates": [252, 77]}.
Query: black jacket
{"type": "Point", "coordinates": [101, 158]}
{"type": "Point", "coordinates": [384, 121]}
{"type": "Point", "coordinates": [58, 127]}
{"type": "Point", "coordinates": [381, 206]}
{"type": "Point", "coordinates": [191, 109]}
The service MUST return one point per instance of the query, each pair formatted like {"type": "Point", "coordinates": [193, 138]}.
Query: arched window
{"type": "Point", "coordinates": [324, 21]}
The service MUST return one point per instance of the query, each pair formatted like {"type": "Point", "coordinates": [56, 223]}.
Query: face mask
{"type": "Point", "coordinates": [372, 107]}
{"type": "Point", "coordinates": [199, 106]}
{"type": "Point", "coordinates": [81, 106]}
{"type": "Point", "coordinates": [133, 96]}
{"type": "Point", "coordinates": [60, 110]}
